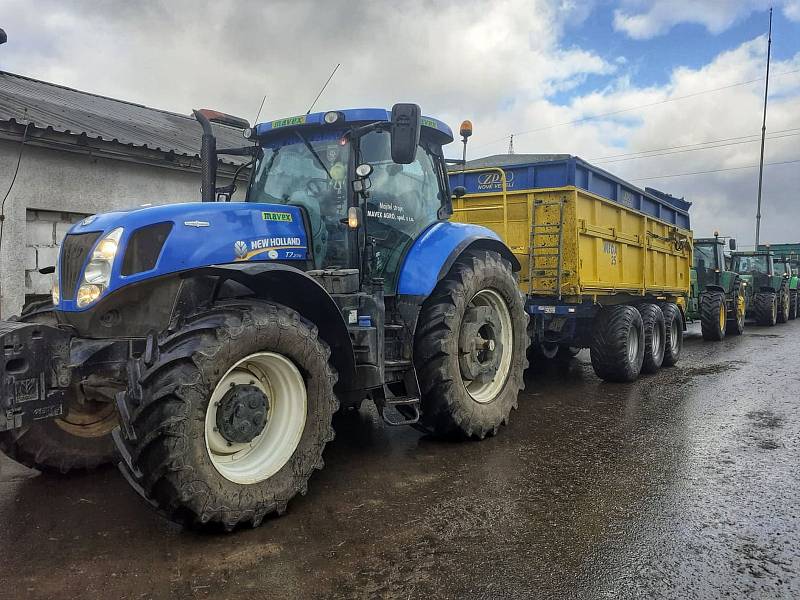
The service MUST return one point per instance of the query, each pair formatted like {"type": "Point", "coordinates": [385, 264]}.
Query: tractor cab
{"type": "Point", "coordinates": [709, 259]}
{"type": "Point", "coordinates": [364, 206]}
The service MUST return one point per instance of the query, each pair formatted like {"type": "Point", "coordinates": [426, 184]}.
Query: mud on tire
{"type": "Point", "coordinates": [713, 316]}
{"type": "Point", "coordinates": [162, 438]}
{"type": "Point", "coordinates": [612, 354]}
{"type": "Point", "coordinates": [673, 340]}
{"type": "Point", "coordinates": [448, 408]}
{"type": "Point", "coordinates": [654, 334]}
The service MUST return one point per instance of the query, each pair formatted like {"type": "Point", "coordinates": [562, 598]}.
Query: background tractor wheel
{"type": "Point", "coordinates": [783, 305]}
{"type": "Point", "coordinates": [735, 325]}
{"type": "Point", "coordinates": [766, 308]}
{"type": "Point", "coordinates": [793, 305]}
{"type": "Point", "coordinates": [673, 340]}
{"type": "Point", "coordinates": [713, 316]}
{"type": "Point", "coordinates": [617, 349]}
{"type": "Point", "coordinates": [654, 334]}
{"type": "Point", "coordinates": [79, 441]}
{"type": "Point", "coordinates": [470, 348]}
{"type": "Point", "coordinates": [230, 420]}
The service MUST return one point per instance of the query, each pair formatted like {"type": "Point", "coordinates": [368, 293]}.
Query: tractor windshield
{"type": "Point", "coordinates": [756, 263]}
{"type": "Point", "coordinates": [309, 169]}
{"type": "Point", "coordinates": [704, 257]}
{"type": "Point", "coordinates": [403, 200]}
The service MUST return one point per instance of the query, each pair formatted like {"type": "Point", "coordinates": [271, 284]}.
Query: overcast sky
{"type": "Point", "coordinates": [511, 66]}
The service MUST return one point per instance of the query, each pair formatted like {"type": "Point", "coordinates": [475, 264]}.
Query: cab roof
{"type": "Point", "coordinates": [351, 116]}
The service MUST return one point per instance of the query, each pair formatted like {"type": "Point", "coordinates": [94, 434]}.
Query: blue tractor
{"type": "Point", "coordinates": [209, 344]}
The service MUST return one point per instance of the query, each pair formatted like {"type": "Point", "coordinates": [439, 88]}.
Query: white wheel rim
{"type": "Point", "coordinates": [657, 339]}
{"type": "Point", "coordinates": [673, 334]}
{"type": "Point", "coordinates": [279, 379]}
{"type": "Point", "coordinates": [633, 344]}
{"type": "Point", "coordinates": [485, 392]}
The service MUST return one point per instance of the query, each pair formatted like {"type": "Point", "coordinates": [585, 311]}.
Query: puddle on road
{"type": "Point", "coordinates": [765, 419]}
{"type": "Point", "coordinates": [730, 365]}
{"type": "Point", "coordinates": [764, 335]}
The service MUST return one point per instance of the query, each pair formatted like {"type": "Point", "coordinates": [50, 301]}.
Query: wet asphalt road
{"type": "Point", "coordinates": [683, 485]}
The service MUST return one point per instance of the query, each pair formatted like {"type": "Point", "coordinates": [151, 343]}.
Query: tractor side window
{"type": "Point", "coordinates": [403, 201]}
{"type": "Point", "coordinates": [703, 257]}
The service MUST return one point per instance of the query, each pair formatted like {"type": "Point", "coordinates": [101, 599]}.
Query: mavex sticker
{"type": "Point", "coordinates": [493, 180]}
{"type": "Point", "coordinates": [289, 121]}
{"type": "Point", "coordinates": [284, 217]}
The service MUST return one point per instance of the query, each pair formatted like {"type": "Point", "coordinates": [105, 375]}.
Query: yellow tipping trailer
{"type": "Point", "coordinates": [605, 265]}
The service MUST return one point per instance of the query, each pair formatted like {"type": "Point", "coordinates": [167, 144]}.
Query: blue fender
{"type": "Point", "coordinates": [435, 251]}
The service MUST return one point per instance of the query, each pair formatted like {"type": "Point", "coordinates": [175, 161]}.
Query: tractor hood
{"type": "Point", "coordinates": [158, 240]}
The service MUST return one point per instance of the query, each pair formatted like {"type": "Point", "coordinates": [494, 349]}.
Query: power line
{"type": "Point", "coordinates": [623, 110]}
{"type": "Point", "coordinates": [707, 147]}
{"type": "Point", "coordinates": [738, 137]}
{"type": "Point", "coordinates": [785, 162]}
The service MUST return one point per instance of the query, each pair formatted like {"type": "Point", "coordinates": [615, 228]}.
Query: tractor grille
{"type": "Point", "coordinates": [144, 247]}
{"type": "Point", "coordinates": [74, 251]}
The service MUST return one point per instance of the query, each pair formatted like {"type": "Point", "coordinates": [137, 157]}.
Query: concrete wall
{"type": "Point", "coordinates": [55, 187]}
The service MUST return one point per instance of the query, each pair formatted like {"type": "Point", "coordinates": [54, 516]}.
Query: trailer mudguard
{"type": "Point", "coordinates": [434, 252]}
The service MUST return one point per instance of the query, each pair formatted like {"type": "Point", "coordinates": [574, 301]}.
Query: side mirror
{"type": "Point", "coordinates": [732, 244]}
{"type": "Point", "coordinates": [405, 132]}
{"type": "Point", "coordinates": [459, 191]}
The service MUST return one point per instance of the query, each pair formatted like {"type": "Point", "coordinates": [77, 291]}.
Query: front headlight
{"type": "Point", "coordinates": [97, 274]}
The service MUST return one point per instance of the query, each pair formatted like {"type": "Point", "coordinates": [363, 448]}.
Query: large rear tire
{"type": "Point", "coordinates": [230, 419]}
{"type": "Point", "coordinates": [617, 349]}
{"type": "Point", "coordinates": [783, 305]}
{"type": "Point", "coordinates": [673, 340]}
{"type": "Point", "coordinates": [81, 440]}
{"type": "Point", "coordinates": [654, 334]}
{"type": "Point", "coordinates": [765, 306]}
{"type": "Point", "coordinates": [735, 325]}
{"type": "Point", "coordinates": [470, 348]}
{"type": "Point", "coordinates": [713, 316]}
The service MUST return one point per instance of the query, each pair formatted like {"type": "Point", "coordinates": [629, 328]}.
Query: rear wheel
{"type": "Point", "coordinates": [81, 440]}
{"type": "Point", "coordinates": [654, 334]}
{"type": "Point", "coordinates": [231, 419]}
{"type": "Point", "coordinates": [783, 305]}
{"type": "Point", "coordinates": [470, 348]}
{"type": "Point", "coordinates": [673, 339]}
{"type": "Point", "coordinates": [617, 349]}
{"type": "Point", "coordinates": [765, 306]}
{"type": "Point", "coordinates": [713, 316]}
{"type": "Point", "coordinates": [735, 325]}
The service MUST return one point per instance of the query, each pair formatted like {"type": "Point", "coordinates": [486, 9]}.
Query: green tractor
{"type": "Point", "coordinates": [717, 297]}
{"type": "Point", "coordinates": [767, 289]}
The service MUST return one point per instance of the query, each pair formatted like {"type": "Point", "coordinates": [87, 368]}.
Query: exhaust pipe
{"type": "Point", "coordinates": [208, 159]}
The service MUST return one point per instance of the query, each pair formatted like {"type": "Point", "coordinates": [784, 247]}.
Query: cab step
{"type": "Point", "coordinates": [391, 414]}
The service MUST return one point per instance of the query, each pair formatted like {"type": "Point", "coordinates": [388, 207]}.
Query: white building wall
{"type": "Point", "coordinates": [56, 187]}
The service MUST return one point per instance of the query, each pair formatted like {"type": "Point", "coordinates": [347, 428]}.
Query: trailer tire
{"type": "Point", "coordinates": [783, 305]}
{"type": "Point", "coordinates": [673, 340]}
{"type": "Point", "coordinates": [766, 308]}
{"type": "Point", "coordinates": [654, 334]}
{"type": "Point", "coordinates": [735, 326]}
{"type": "Point", "coordinates": [480, 286]}
{"type": "Point", "coordinates": [617, 349]}
{"type": "Point", "coordinates": [81, 441]}
{"type": "Point", "coordinates": [793, 305]}
{"type": "Point", "coordinates": [171, 433]}
{"type": "Point", "coordinates": [713, 316]}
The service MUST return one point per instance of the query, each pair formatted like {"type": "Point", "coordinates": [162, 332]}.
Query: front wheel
{"type": "Point", "coordinates": [738, 310]}
{"type": "Point", "coordinates": [231, 419]}
{"type": "Point", "coordinates": [793, 305]}
{"type": "Point", "coordinates": [713, 316]}
{"type": "Point", "coordinates": [766, 308]}
{"type": "Point", "coordinates": [470, 348]}
{"type": "Point", "coordinates": [783, 305]}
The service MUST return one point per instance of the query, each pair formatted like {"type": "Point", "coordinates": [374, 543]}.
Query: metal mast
{"type": "Point", "coordinates": [763, 133]}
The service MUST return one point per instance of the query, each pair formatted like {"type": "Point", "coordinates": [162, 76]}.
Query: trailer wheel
{"type": "Point", "coordinates": [713, 316]}
{"type": "Point", "coordinates": [783, 305]}
{"type": "Point", "coordinates": [617, 349]}
{"type": "Point", "coordinates": [654, 334]}
{"type": "Point", "coordinates": [735, 326]}
{"type": "Point", "coordinates": [230, 420]}
{"type": "Point", "coordinates": [766, 308]}
{"type": "Point", "coordinates": [793, 305]}
{"type": "Point", "coordinates": [470, 348]}
{"type": "Point", "coordinates": [673, 340]}
{"type": "Point", "coordinates": [79, 441]}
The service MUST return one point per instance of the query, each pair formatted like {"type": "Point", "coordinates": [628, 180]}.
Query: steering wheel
{"type": "Point", "coordinates": [317, 186]}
